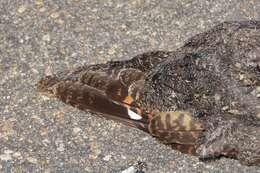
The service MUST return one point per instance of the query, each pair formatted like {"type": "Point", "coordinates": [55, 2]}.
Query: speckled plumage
{"type": "Point", "coordinates": [202, 98]}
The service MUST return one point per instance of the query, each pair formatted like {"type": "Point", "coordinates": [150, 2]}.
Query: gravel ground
{"type": "Point", "coordinates": [43, 135]}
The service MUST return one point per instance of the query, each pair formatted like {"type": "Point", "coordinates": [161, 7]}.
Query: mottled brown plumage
{"type": "Point", "coordinates": [202, 98]}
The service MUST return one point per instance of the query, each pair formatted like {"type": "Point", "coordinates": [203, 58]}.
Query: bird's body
{"type": "Point", "coordinates": [202, 98]}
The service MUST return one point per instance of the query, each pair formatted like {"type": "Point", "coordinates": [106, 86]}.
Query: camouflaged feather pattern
{"type": "Point", "coordinates": [202, 99]}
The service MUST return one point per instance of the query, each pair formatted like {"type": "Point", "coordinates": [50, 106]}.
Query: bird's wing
{"type": "Point", "coordinates": [113, 90]}
{"type": "Point", "coordinates": [111, 94]}
{"type": "Point", "coordinates": [175, 127]}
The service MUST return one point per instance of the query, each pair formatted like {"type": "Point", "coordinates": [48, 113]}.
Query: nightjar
{"type": "Point", "coordinates": [202, 99]}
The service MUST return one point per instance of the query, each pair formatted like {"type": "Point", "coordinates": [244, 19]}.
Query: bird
{"type": "Point", "coordinates": [202, 99]}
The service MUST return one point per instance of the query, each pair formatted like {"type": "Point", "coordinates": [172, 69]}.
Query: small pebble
{"type": "Point", "coordinates": [22, 9]}
{"type": "Point", "coordinates": [17, 154]}
{"type": "Point", "coordinates": [59, 21]}
{"type": "Point", "coordinates": [111, 51]}
{"type": "Point", "coordinates": [233, 111]}
{"type": "Point", "coordinates": [32, 160]}
{"type": "Point", "coordinates": [258, 115]}
{"type": "Point", "coordinates": [5, 157]}
{"type": "Point", "coordinates": [76, 130]}
{"type": "Point", "coordinates": [55, 15]}
{"type": "Point", "coordinates": [225, 108]}
{"type": "Point", "coordinates": [39, 2]}
{"type": "Point", "coordinates": [46, 37]}
{"type": "Point", "coordinates": [61, 147]}
{"type": "Point", "coordinates": [258, 88]}
{"type": "Point", "coordinates": [8, 151]}
{"type": "Point", "coordinates": [107, 158]}
{"type": "Point", "coordinates": [217, 97]}
{"type": "Point", "coordinates": [42, 9]}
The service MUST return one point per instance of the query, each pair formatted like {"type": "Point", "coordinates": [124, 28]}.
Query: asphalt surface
{"type": "Point", "coordinates": [38, 134]}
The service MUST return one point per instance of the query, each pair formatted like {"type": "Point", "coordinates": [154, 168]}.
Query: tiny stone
{"type": "Point", "coordinates": [247, 82]}
{"type": "Point", "coordinates": [123, 26]}
{"type": "Point", "coordinates": [123, 157]}
{"type": "Point", "coordinates": [5, 157]}
{"type": "Point", "coordinates": [61, 147]}
{"type": "Point", "coordinates": [44, 131]}
{"type": "Point", "coordinates": [225, 108]}
{"type": "Point", "coordinates": [42, 9]}
{"type": "Point", "coordinates": [46, 37]}
{"type": "Point", "coordinates": [111, 51]}
{"type": "Point", "coordinates": [238, 65]}
{"type": "Point", "coordinates": [258, 115]}
{"type": "Point", "coordinates": [107, 158]}
{"type": "Point", "coordinates": [234, 103]}
{"type": "Point", "coordinates": [35, 71]}
{"type": "Point", "coordinates": [233, 111]}
{"type": "Point", "coordinates": [17, 154]}
{"type": "Point", "coordinates": [93, 156]}
{"type": "Point", "coordinates": [76, 130]}
{"type": "Point", "coordinates": [39, 2]}
{"type": "Point", "coordinates": [21, 9]}
{"type": "Point", "coordinates": [36, 118]}
{"type": "Point", "coordinates": [217, 97]}
{"type": "Point", "coordinates": [32, 160]}
{"type": "Point", "coordinates": [59, 21]}
{"type": "Point", "coordinates": [258, 88]}
{"type": "Point", "coordinates": [45, 97]}
{"type": "Point", "coordinates": [26, 37]}
{"type": "Point", "coordinates": [55, 15]}
{"type": "Point", "coordinates": [145, 138]}
{"type": "Point", "coordinates": [46, 142]}
{"type": "Point", "coordinates": [87, 169]}
{"type": "Point", "coordinates": [173, 94]}
{"type": "Point", "coordinates": [241, 76]}
{"type": "Point", "coordinates": [8, 151]}
{"type": "Point", "coordinates": [74, 54]}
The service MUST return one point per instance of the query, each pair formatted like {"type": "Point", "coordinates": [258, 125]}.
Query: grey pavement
{"type": "Point", "coordinates": [38, 134]}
